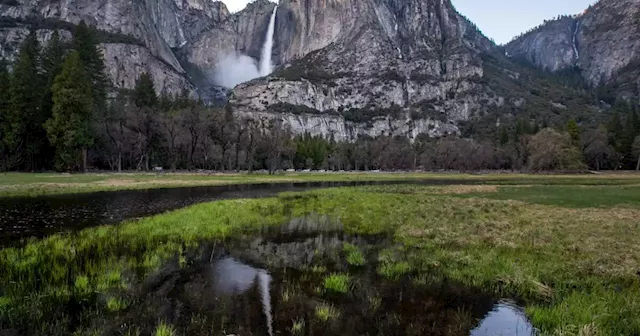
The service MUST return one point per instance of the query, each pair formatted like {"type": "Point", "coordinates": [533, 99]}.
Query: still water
{"type": "Point", "coordinates": [271, 283]}
{"type": "Point", "coordinates": [24, 217]}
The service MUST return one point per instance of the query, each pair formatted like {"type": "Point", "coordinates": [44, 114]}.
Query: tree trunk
{"type": "Point", "coordinates": [146, 162]}
{"type": "Point", "coordinates": [638, 165]}
{"type": "Point", "coordinates": [84, 160]}
{"type": "Point", "coordinates": [119, 163]}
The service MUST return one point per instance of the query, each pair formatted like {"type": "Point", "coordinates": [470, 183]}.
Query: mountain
{"type": "Point", "coordinates": [344, 68]}
{"type": "Point", "coordinates": [142, 35]}
{"type": "Point", "coordinates": [602, 44]}
{"type": "Point", "coordinates": [403, 68]}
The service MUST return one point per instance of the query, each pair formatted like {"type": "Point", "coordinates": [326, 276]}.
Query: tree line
{"type": "Point", "coordinates": [58, 111]}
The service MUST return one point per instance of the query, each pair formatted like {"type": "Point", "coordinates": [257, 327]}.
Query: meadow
{"type": "Point", "coordinates": [38, 184]}
{"type": "Point", "coordinates": [567, 247]}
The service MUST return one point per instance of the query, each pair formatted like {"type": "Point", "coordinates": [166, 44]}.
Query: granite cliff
{"type": "Point", "coordinates": [602, 44]}
{"type": "Point", "coordinates": [344, 68]}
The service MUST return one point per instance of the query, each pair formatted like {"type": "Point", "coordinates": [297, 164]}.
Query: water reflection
{"type": "Point", "coordinates": [233, 277]}
{"type": "Point", "coordinates": [24, 217]}
{"type": "Point", "coordinates": [506, 319]}
{"type": "Point", "coordinates": [273, 283]}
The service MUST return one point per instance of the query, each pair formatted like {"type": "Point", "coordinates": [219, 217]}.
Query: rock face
{"type": "Point", "coordinates": [345, 68]}
{"type": "Point", "coordinates": [603, 43]}
{"type": "Point", "coordinates": [403, 68]}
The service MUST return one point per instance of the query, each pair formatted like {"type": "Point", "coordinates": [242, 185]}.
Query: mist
{"type": "Point", "coordinates": [235, 68]}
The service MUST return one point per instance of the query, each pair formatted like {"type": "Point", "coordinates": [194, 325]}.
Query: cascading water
{"type": "Point", "coordinates": [265, 60]}
{"type": "Point", "coordinates": [575, 40]}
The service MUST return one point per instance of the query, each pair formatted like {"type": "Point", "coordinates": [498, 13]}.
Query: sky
{"type": "Point", "coordinates": [504, 19]}
{"type": "Point", "coordinates": [498, 19]}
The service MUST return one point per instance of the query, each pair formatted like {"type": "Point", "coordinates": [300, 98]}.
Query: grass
{"type": "Point", "coordinates": [164, 329]}
{"type": "Point", "coordinates": [354, 256]}
{"type": "Point", "coordinates": [571, 254]}
{"type": "Point", "coordinates": [297, 326]}
{"type": "Point", "coordinates": [36, 184]}
{"type": "Point", "coordinates": [337, 283]}
{"type": "Point", "coordinates": [326, 312]}
{"type": "Point", "coordinates": [570, 196]}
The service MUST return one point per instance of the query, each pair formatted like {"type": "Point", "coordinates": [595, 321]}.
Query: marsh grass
{"type": "Point", "coordinates": [575, 267]}
{"type": "Point", "coordinates": [354, 256]}
{"type": "Point", "coordinates": [297, 326]}
{"type": "Point", "coordinates": [326, 312]}
{"type": "Point", "coordinates": [568, 196]}
{"type": "Point", "coordinates": [337, 283]}
{"type": "Point", "coordinates": [164, 329]}
{"type": "Point", "coordinates": [36, 184]}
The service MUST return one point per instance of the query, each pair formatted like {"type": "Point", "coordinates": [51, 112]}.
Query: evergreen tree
{"type": "Point", "coordinates": [85, 42]}
{"type": "Point", "coordinates": [5, 124]}
{"type": "Point", "coordinates": [615, 129]}
{"type": "Point", "coordinates": [26, 135]}
{"type": "Point", "coordinates": [52, 60]}
{"type": "Point", "coordinates": [69, 128]}
{"type": "Point", "coordinates": [144, 94]}
{"type": "Point", "coordinates": [145, 99]}
{"type": "Point", "coordinates": [574, 131]}
{"type": "Point", "coordinates": [504, 136]}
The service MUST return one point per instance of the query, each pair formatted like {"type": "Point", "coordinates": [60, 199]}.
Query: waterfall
{"type": "Point", "coordinates": [575, 40]}
{"type": "Point", "coordinates": [267, 48]}
{"type": "Point", "coordinates": [264, 279]}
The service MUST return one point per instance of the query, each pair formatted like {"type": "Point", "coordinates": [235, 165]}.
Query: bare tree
{"type": "Point", "coordinates": [551, 150]}
{"type": "Point", "coordinates": [596, 148]}
{"type": "Point", "coordinates": [113, 123]}
{"type": "Point", "coordinates": [277, 143]}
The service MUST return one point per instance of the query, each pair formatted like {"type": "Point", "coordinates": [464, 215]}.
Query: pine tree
{"type": "Point", "coordinates": [69, 128]}
{"type": "Point", "coordinates": [144, 94]}
{"type": "Point", "coordinates": [504, 136]}
{"type": "Point", "coordinates": [85, 42]}
{"type": "Point", "coordinates": [52, 60]}
{"type": "Point", "coordinates": [26, 135]}
{"type": "Point", "coordinates": [145, 99]}
{"type": "Point", "coordinates": [574, 131]}
{"type": "Point", "coordinates": [5, 125]}
{"type": "Point", "coordinates": [615, 129]}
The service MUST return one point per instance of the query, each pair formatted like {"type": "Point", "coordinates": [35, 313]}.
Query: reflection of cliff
{"type": "Point", "coordinates": [299, 243]}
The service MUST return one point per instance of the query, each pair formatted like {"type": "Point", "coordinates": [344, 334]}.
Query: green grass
{"type": "Point", "coordinates": [573, 258]}
{"type": "Point", "coordinates": [326, 312]}
{"type": "Point", "coordinates": [354, 256]}
{"type": "Point", "coordinates": [337, 283]}
{"type": "Point", "coordinates": [570, 196]}
{"type": "Point", "coordinates": [164, 329]}
{"type": "Point", "coordinates": [36, 184]}
{"type": "Point", "coordinates": [116, 304]}
{"type": "Point", "coordinates": [297, 326]}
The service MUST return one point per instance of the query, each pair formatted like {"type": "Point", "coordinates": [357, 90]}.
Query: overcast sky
{"type": "Point", "coordinates": [498, 19]}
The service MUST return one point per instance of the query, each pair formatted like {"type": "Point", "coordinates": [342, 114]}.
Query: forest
{"type": "Point", "coordinates": [58, 111]}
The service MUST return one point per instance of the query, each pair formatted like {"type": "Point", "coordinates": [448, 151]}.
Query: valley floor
{"type": "Point", "coordinates": [565, 246]}
{"type": "Point", "coordinates": [37, 184]}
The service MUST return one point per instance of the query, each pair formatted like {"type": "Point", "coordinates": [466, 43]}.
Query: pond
{"type": "Point", "coordinates": [25, 217]}
{"type": "Point", "coordinates": [287, 281]}
{"type": "Point", "coordinates": [307, 276]}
